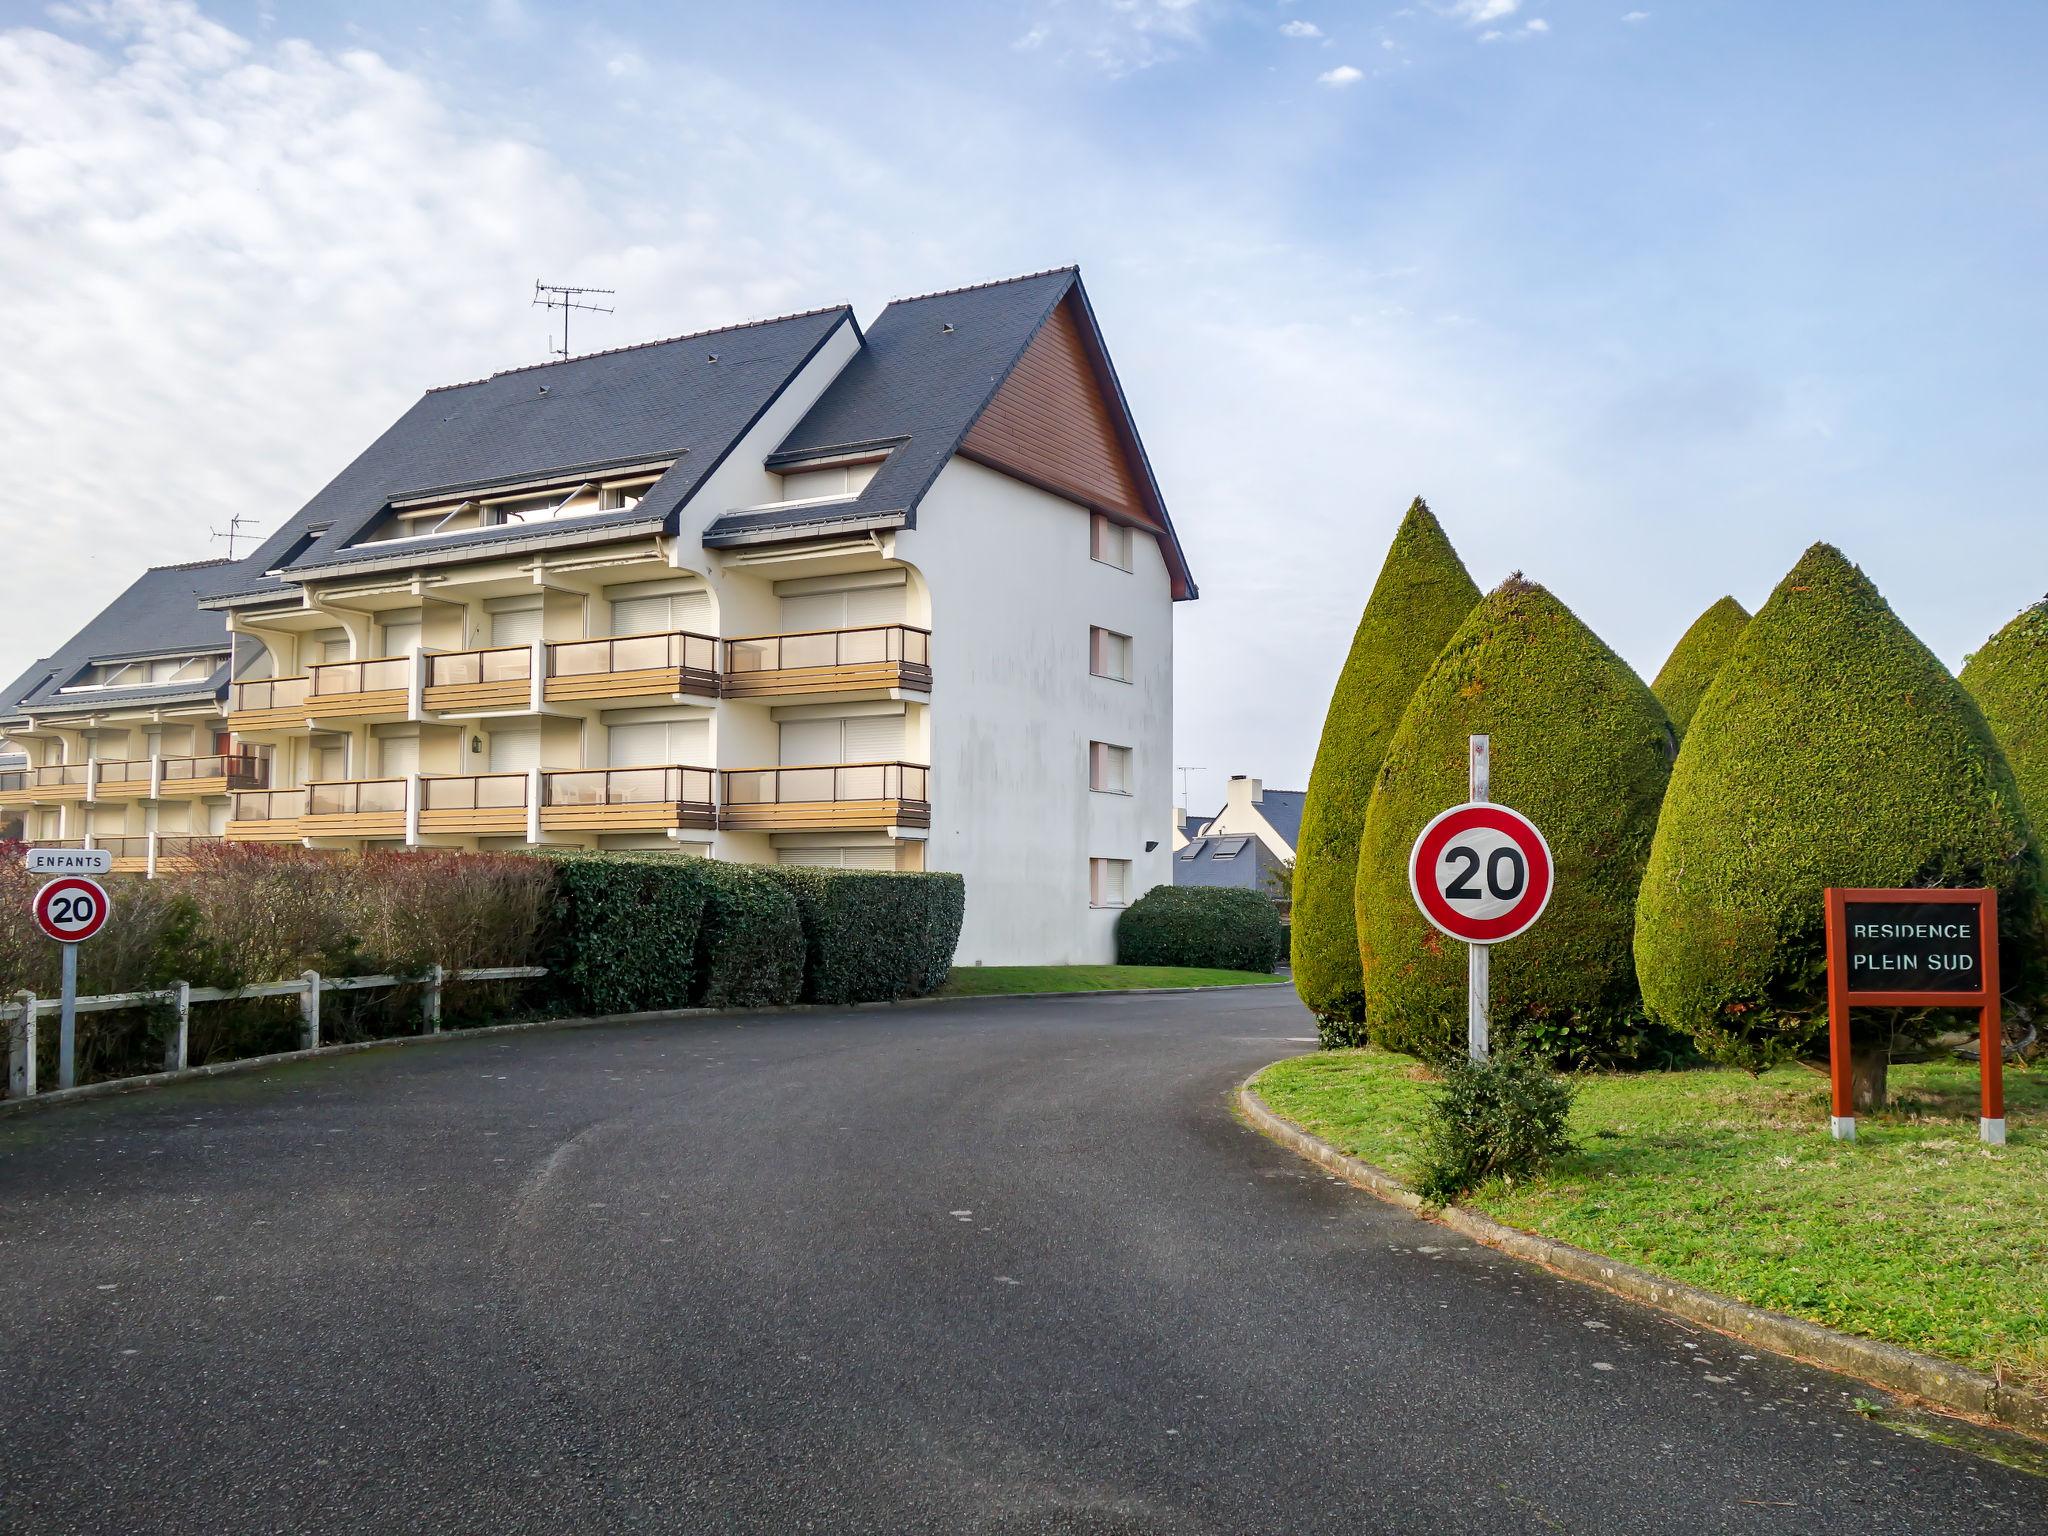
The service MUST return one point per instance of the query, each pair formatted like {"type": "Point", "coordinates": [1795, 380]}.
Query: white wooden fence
{"type": "Point", "coordinates": [26, 1008]}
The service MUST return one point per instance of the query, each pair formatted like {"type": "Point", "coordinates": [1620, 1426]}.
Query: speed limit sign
{"type": "Point", "coordinates": [71, 910]}
{"type": "Point", "coordinates": [1481, 872]}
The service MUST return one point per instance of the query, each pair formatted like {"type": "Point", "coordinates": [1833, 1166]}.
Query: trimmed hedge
{"type": "Point", "coordinates": [1226, 930]}
{"type": "Point", "coordinates": [1583, 749]}
{"type": "Point", "coordinates": [622, 933]}
{"type": "Point", "coordinates": [869, 934]}
{"type": "Point", "coordinates": [750, 948]}
{"type": "Point", "coordinates": [2009, 680]}
{"type": "Point", "coordinates": [1833, 749]}
{"type": "Point", "coordinates": [1423, 593]}
{"type": "Point", "coordinates": [1694, 662]}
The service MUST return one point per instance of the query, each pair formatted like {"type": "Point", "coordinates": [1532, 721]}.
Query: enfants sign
{"type": "Point", "coordinates": [1915, 949]}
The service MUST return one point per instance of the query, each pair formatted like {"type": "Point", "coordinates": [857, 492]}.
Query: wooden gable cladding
{"type": "Point", "coordinates": [1052, 424]}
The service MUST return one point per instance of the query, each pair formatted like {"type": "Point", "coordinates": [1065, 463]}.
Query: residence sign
{"type": "Point", "coordinates": [1905, 946]}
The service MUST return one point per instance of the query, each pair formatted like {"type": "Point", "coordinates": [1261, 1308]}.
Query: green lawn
{"type": "Point", "coordinates": [1915, 1233]}
{"type": "Point", "coordinates": [982, 980]}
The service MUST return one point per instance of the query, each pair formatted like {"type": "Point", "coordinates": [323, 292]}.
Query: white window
{"type": "Point", "coordinates": [516, 626]}
{"type": "Point", "coordinates": [327, 759]}
{"type": "Point", "coordinates": [515, 751]}
{"type": "Point", "coordinates": [1109, 882]}
{"type": "Point", "coordinates": [398, 634]}
{"type": "Point", "coordinates": [1109, 654]}
{"type": "Point", "coordinates": [852, 739]}
{"type": "Point", "coordinates": [809, 605]}
{"type": "Point", "coordinates": [397, 756]}
{"type": "Point", "coordinates": [658, 743]}
{"type": "Point", "coordinates": [661, 613]}
{"type": "Point", "coordinates": [864, 857]}
{"type": "Point", "coordinates": [1109, 768]}
{"type": "Point", "coordinates": [1109, 542]}
{"type": "Point", "coordinates": [831, 484]}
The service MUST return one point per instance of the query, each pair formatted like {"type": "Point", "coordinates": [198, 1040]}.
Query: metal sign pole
{"type": "Point", "coordinates": [1477, 979]}
{"type": "Point", "coordinates": [67, 1022]}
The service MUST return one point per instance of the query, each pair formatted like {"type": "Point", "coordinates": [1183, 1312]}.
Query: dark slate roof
{"type": "Point", "coordinates": [1282, 808]}
{"type": "Point", "coordinates": [928, 368]}
{"type": "Point", "coordinates": [158, 615]}
{"type": "Point", "coordinates": [1253, 869]}
{"type": "Point", "coordinates": [692, 397]}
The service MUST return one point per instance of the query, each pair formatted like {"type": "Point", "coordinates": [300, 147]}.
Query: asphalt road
{"type": "Point", "coordinates": [977, 1267]}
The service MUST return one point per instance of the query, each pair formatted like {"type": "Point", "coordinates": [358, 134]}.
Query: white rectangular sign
{"type": "Point", "coordinates": [70, 861]}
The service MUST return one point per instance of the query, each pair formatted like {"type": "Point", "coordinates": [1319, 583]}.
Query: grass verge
{"type": "Point", "coordinates": [982, 980]}
{"type": "Point", "coordinates": [1915, 1233]}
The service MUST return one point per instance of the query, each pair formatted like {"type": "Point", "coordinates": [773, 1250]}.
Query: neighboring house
{"type": "Point", "coordinates": [12, 774]}
{"type": "Point", "coordinates": [790, 591]}
{"type": "Point", "coordinates": [121, 732]}
{"type": "Point", "coordinates": [1248, 844]}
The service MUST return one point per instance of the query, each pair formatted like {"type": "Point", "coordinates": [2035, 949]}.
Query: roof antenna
{"type": "Point", "coordinates": [232, 532]}
{"type": "Point", "coordinates": [561, 296]}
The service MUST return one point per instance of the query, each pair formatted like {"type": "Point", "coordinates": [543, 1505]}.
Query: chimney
{"type": "Point", "coordinates": [1245, 790]}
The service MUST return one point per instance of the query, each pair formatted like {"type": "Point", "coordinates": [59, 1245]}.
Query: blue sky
{"type": "Point", "coordinates": [1643, 297]}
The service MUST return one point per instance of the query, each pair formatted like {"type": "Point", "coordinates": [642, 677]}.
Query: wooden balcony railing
{"type": "Point", "coordinates": [829, 661]}
{"type": "Point", "coordinates": [181, 845]}
{"type": "Point", "coordinates": [269, 693]}
{"type": "Point", "coordinates": [181, 777]}
{"type": "Point", "coordinates": [355, 808]}
{"type": "Point", "coordinates": [14, 786]}
{"type": "Point", "coordinates": [358, 689]}
{"type": "Point", "coordinates": [625, 666]}
{"type": "Point", "coordinates": [829, 796]}
{"type": "Point", "coordinates": [59, 776]}
{"type": "Point", "coordinates": [56, 842]}
{"type": "Point", "coordinates": [497, 677]}
{"type": "Point", "coordinates": [627, 799]}
{"type": "Point", "coordinates": [474, 802]}
{"type": "Point", "coordinates": [268, 805]}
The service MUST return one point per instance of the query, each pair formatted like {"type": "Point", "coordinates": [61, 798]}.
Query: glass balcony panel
{"type": "Point", "coordinates": [861, 646]}
{"type": "Point", "coordinates": [458, 667]}
{"type": "Point", "coordinates": [810, 650]}
{"type": "Point", "coordinates": [638, 653]}
{"type": "Point", "coordinates": [749, 655]}
{"type": "Point", "coordinates": [807, 784]}
{"type": "Point", "coordinates": [580, 658]}
{"type": "Point", "coordinates": [863, 783]}
{"type": "Point", "coordinates": [507, 665]}
{"type": "Point", "coordinates": [501, 792]}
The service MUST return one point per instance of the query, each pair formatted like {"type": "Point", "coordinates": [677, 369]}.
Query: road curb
{"type": "Point", "coordinates": [115, 1087]}
{"type": "Point", "coordinates": [1938, 1382]}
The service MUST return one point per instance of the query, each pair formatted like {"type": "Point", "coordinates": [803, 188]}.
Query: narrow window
{"type": "Point", "coordinates": [1109, 542]}
{"type": "Point", "coordinates": [1109, 882]}
{"type": "Point", "coordinates": [1109, 654]}
{"type": "Point", "coordinates": [1109, 768]}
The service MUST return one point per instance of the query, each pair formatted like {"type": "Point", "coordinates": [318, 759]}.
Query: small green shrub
{"type": "Point", "coordinates": [750, 949]}
{"type": "Point", "coordinates": [1689, 671]}
{"type": "Point", "coordinates": [1423, 593]}
{"type": "Point", "coordinates": [622, 932]}
{"type": "Point", "coordinates": [871, 935]}
{"type": "Point", "coordinates": [1198, 926]}
{"type": "Point", "coordinates": [1504, 1118]}
{"type": "Point", "coordinates": [2008, 677]}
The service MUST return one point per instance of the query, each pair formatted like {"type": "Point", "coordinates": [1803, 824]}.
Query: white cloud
{"type": "Point", "coordinates": [1477, 12]}
{"type": "Point", "coordinates": [1303, 29]}
{"type": "Point", "coordinates": [1389, 44]}
{"type": "Point", "coordinates": [1120, 37]}
{"type": "Point", "coordinates": [1340, 77]}
{"type": "Point", "coordinates": [1637, 16]}
{"type": "Point", "coordinates": [1537, 24]}
{"type": "Point", "coordinates": [1491, 36]}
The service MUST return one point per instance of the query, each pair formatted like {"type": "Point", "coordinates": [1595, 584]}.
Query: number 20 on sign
{"type": "Point", "coordinates": [70, 910]}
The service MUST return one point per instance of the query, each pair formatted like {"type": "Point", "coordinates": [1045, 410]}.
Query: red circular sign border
{"type": "Point", "coordinates": [1482, 813]}
{"type": "Point", "coordinates": [67, 882]}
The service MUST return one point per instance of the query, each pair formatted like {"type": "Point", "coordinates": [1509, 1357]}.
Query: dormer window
{"type": "Point", "coordinates": [147, 672]}
{"type": "Point", "coordinates": [515, 508]}
{"type": "Point", "coordinates": [830, 482]}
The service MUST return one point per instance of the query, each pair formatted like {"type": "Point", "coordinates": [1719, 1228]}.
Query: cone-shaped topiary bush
{"type": "Point", "coordinates": [1422, 595]}
{"type": "Point", "coordinates": [1833, 749]}
{"type": "Point", "coordinates": [2009, 680]}
{"type": "Point", "coordinates": [1696, 659]}
{"type": "Point", "coordinates": [1583, 749]}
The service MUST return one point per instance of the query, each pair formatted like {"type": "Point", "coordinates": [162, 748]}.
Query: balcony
{"type": "Point", "coordinates": [174, 852]}
{"type": "Point", "coordinates": [355, 808]}
{"type": "Point", "coordinates": [627, 799]}
{"type": "Point", "coordinates": [269, 704]}
{"type": "Point", "coordinates": [835, 797]}
{"type": "Point", "coordinates": [267, 816]}
{"type": "Point", "coordinates": [874, 658]}
{"type": "Point", "coordinates": [43, 786]}
{"type": "Point", "coordinates": [181, 778]}
{"type": "Point", "coordinates": [632, 666]}
{"type": "Point", "coordinates": [492, 803]}
{"type": "Point", "coordinates": [361, 690]}
{"type": "Point", "coordinates": [470, 682]}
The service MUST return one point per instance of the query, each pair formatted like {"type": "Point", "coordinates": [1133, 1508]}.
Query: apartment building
{"type": "Point", "coordinates": [894, 597]}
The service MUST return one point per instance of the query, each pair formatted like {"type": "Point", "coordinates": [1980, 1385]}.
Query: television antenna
{"type": "Point", "coordinates": [1184, 770]}
{"type": "Point", "coordinates": [565, 298]}
{"type": "Point", "coordinates": [232, 532]}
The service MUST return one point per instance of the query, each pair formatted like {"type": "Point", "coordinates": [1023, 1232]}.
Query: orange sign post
{"type": "Point", "coordinates": [1914, 949]}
